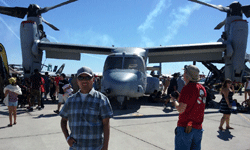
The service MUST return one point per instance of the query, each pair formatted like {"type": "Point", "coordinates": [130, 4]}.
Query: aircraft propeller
{"type": "Point", "coordinates": [32, 11]}
{"type": "Point", "coordinates": [234, 9]}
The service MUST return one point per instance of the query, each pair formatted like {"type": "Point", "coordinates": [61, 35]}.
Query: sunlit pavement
{"type": "Point", "coordinates": [143, 126]}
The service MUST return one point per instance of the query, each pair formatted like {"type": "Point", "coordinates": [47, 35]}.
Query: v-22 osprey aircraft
{"type": "Point", "coordinates": [124, 72]}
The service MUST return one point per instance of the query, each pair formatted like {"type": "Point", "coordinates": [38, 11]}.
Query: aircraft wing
{"type": "Point", "coordinates": [71, 51]}
{"type": "Point", "coordinates": [190, 52]}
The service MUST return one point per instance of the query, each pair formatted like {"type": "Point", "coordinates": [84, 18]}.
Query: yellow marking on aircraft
{"type": "Point", "coordinates": [4, 57]}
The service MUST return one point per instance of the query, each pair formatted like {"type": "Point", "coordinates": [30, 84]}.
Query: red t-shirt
{"type": "Point", "coordinates": [194, 95]}
{"type": "Point", "coordinates": [42, 85]}
{"type": "Point", "coordinates": [57, 79]}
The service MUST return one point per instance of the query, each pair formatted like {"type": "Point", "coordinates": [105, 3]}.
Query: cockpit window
{"type": "Point", "coordinates": [113, 63]}
{"type": "Point", "coordinates": [134, 62]}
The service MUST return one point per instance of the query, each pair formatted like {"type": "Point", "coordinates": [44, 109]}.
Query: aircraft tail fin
{"type": "Point", "coordinates": [60, 70]}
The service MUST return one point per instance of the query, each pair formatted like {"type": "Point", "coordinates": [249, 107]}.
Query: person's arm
{"type": "Point", "coordinates": [67, 88]}
{"type": "Point", "coordinates": [65, 131]}
{"type": "Point", "coordinates": [232, 87]}
{"type": "Point", "coordinates": [181, 107]}
{"type": "Point", "coordinates": [6, 93]}
{"type": "Point", "coordinates": [175, 89]}
{"type": "Point", "coordinates": [106, 130]}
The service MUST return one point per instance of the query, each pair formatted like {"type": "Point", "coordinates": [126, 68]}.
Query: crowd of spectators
{"type": "Point", "coordinates": [40, 89]}
{"type": "Point", "coordinates": [183, 92]}
{"type": "Point", "coordinates": [36, 89]}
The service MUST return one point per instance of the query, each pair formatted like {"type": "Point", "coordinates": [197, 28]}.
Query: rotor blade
{"type": "Point", "coordinates": [18, 12]}
{"type": "Point", "coordinates": [45, 9]}
{"type": "Point", "coordinates": [219, 7]}
{"type": "Point", "coordinates": [51, 25]}
{"type": "Point", "coordinates": [246, 10]}
{"type": "Point", "coordinates": [221, 24]}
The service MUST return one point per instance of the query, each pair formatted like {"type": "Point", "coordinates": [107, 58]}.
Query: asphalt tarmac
{"type": "Point", "coordinates": [143, 126]}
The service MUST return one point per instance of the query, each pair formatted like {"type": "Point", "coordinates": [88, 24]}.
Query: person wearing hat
{"type": "Point", "coordinates": [62, 97]}
{"type": "Point", "coordinates": [88, 112]}
{"type": "Point", "coordinates": [12, 91]}
{"type": "Point", "coordinates": [191, 106]}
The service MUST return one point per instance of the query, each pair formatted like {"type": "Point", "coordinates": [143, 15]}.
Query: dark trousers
{"type": "Point", "coordinates": [35, 94]}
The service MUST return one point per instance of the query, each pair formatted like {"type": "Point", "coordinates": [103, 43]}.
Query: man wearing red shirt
{"type": "Point", "coordinates": [191, 106]}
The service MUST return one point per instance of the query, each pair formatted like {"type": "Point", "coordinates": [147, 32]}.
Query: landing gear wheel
{"type": "Point", "coordinates": [123, 106]}
{"type": "Point", "coordinates": [122, 102]}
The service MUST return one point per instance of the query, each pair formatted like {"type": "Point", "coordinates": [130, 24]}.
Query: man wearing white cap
{"type": "Point", "coordinates": [191, 106]}
{"type": "Point", "coordinates": [88, 112]}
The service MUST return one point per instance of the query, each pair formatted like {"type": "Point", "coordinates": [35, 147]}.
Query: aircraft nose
{"type": "Point", "coordinates": [122, 83]}
{"type": "Point", "coordinates": [121, 77]}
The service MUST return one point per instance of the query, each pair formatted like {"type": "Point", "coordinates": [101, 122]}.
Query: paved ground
{"type": "Point", "coordinates": [144, 126]}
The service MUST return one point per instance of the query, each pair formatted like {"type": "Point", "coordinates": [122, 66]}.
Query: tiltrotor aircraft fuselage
{"type": "Point", "coordinates": [124, 73]}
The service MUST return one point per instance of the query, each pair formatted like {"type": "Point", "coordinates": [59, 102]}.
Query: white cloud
{"type": "Point", "coordinates": [89, 37]}
{"type": "Point", "coordinates": [148, 24]}
{"type": "Point", "coordinates": [53, 38]}
{"type": "Point", "coordinates": [181, 16]}
{"type": "Point", "coordinates": [152, 15]}
{"type": "Point", "coordinates": [10, 28]}
{"type": "Point", "coordinates": [147, 42]}
{"type": "Point", "coordinates": [2, 1]}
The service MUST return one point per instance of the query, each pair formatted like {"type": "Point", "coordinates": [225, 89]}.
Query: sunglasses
{"type": "Point", "coordinates": [81, 78]}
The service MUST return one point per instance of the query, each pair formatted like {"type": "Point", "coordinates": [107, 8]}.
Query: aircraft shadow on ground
{"type": "Point", "coordinates": [152, 116]}
{"type": "Point", "coordinates": [134, 105]}
{"type": "Point", "coordinates": [131, 108]}
{"type": "Point", "coordinates": [225, 135]}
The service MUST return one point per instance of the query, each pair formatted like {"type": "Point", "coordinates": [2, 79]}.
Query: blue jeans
{"type": "Point", "coordinates": [188, 141]}
{"type": "Point", "coordinates": [13, 103]}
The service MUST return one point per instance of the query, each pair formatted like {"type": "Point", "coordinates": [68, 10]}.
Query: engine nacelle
{"type": "Point", "coordinates": [32, 57]}
{"type": "Point", "coordinates": [152, 84]}
{"type": "Point", "coordinates": [238, 35]}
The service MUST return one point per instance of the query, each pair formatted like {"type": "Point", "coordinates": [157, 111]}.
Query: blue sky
{"type": "Point", "coordinates": [123, 23]}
